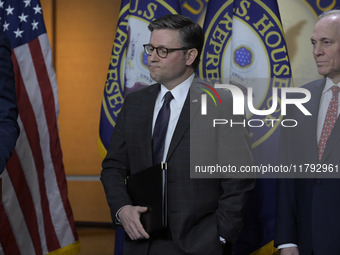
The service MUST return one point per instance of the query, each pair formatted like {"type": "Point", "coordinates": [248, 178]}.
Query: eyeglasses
{"type": "Point", "coordinates": [161, 51]}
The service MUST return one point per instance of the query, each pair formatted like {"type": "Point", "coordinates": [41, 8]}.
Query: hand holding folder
{"type": "Point", "coordinates": [149, 188]}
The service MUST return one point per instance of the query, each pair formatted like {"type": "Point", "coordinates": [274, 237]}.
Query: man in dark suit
{"type": "Point", "coordinates": [203, 214]}
{"type": "Point", "coordinates": [9, 129]}
{"type": "Point", "coordinates": [308, 209]}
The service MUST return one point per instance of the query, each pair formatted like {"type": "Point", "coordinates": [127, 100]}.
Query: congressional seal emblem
{"type": "Point", "coordinates": [245, 46]}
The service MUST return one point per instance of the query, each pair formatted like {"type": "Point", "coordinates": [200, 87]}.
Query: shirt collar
{"type": "Point", "coordinates": [329, 84]}
{"type": "Point", "coordinates": [180, 92]}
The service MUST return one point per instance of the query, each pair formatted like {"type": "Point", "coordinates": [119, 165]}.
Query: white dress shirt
{"type": "Point", "coordinates": [179, 93]}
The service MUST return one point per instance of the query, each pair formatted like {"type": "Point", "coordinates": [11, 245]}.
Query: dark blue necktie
{"type": "Point", "coordinates": [160, 129]}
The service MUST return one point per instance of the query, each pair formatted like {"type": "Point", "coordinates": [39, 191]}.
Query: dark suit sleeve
{"type": "Point", "coordinates": [234, 150]}
{"type": "Point", "coordinates": [127, 154]}
{"type": "Point", "coordinates": [285, 219]}
{"type": "Point", "coordinates": [9, 129]}
{"type": "Point", "coordinates": [116, 166]}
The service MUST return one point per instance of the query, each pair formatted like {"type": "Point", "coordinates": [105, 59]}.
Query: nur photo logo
{"type": "Point", "coordinates": [243, 99]}
{"type": "Point", "coordinates": [204, 97]}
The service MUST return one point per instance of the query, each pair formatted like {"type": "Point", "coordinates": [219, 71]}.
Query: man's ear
{"type": "Point", "coordinates": [191, 55]}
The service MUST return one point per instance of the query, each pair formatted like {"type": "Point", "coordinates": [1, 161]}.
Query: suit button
{"type": "Point", "coordinates": [317, 182]}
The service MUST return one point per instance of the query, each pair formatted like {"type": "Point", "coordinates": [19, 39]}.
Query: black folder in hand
{"type": "Point", "coordinates": [149, 188]}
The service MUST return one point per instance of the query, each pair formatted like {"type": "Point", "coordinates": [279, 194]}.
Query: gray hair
{"type": "Point", "coordinates": [329, 13]}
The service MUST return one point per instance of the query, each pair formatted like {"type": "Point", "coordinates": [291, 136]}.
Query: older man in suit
{"type": "Point", "coordinates": [9, 129]}
{"type": "Point", "coordinates": [308, 209]}
{"type": "Point", "coordinates": [203, 214]}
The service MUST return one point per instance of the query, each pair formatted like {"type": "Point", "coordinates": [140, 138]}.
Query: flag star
{"type": "Point", "coordinates": [9, 10]}
{"type": "Point", "coordinates": [34, 25]}
{"type": "Point", "coordinates": [18, 33]}
{"type": "Point", "coordinates": [2, 4]}
{"type": "Point", "coordinates": [37, 9]}
{"type": "Point", "coordinates": [5, 25]}
{"type": "Point", "coordinates": [23, 17]}
{"type": "Point", "coordinates": [27, 3]}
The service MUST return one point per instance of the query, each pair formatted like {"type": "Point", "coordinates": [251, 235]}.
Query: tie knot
{"type": "Point", "coordinates": [335, 90]}
{"type": "Point", "coordinates": [168, 97]}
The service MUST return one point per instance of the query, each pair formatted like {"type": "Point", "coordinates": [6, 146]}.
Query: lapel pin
{"type": "Point", "coordinates": [194, 100]}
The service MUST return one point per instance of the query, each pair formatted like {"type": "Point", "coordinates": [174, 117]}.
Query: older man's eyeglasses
{"type": "Point", "coordinates": [161, 51]}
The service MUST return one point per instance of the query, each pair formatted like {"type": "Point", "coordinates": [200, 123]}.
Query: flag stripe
{"type": "Point", "coordinates": [51, 116]}
{"type": "Point", "coordinates": [13, 207]}
{"type": "Point", "coordinates": [24, 153]}
{"type": "Point", "coordinates": [29, 121]}
{"type": "Point", "coordinates": [26, 203]}
{"type": "Point", "coordinates": [47, 55]}
{"type": "Point", "coordinates": [57, 178]}
{"type": "Point", "coordinates": [35, 203]}
{"type": "Point", "coordinates": [7, 238]}
{"type": "Point", "coordinates": [16, 218]}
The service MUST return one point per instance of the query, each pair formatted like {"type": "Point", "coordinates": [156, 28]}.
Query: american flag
{"type": "Point", "coordinates": [35, 214]}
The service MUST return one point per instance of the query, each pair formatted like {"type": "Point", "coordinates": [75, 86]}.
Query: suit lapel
{"type": "Point", "coordinates": [189, 110]}
{"type": "Point", "coordinates": [147, 108]}
{"type": "Point", "coordinates": [311, 123]}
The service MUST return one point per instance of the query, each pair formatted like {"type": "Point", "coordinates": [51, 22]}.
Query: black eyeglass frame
{"type": "Point", "coordinates": [168, 50]}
